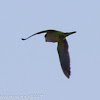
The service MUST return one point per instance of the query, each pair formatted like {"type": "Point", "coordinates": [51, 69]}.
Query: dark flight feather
{"type": "Point", "coordinates": [64, 57]}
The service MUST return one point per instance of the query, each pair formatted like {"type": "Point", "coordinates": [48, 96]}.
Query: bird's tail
{"type": "Point", "coordinates": [34, 34]}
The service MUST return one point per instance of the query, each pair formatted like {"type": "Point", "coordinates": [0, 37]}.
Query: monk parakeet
{"type": "Point", "coordinates": [60, 37]}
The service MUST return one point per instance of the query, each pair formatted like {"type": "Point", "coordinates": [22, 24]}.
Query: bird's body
{"type": "Point", "coordinates": [54, 36]}
{"type": "Point", "coordinates": [60, 37]}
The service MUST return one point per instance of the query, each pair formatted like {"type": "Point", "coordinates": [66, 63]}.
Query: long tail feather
{"type": "Point", "coordinates": [34, 34]}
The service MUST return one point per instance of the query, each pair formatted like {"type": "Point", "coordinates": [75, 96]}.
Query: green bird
{"type": "Point", "coordinates": [60, 37]}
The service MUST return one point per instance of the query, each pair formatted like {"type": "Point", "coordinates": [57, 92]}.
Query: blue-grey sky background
{"type": "Point", "coordinates": [32, 66]}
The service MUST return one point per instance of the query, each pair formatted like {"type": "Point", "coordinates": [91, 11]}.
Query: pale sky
{"type": "Point", "coordinates": [32, 67]}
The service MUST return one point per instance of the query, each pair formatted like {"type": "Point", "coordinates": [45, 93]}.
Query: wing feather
{"type": "Point", "coordinates": [64, 57]}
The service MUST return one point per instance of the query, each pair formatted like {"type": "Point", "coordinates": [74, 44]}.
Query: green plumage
{"type": "Point", "coordinates": [60, 37]}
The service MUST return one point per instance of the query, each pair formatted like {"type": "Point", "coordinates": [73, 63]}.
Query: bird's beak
{"type": "Point", "coordinates": [69, 33]}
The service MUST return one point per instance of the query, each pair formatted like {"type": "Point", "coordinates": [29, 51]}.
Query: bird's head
{"type": "Point", "coordinates": [69, 33]}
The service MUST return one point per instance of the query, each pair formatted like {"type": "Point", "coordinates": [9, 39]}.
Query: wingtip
{"type": "Point", "coordinates": [67, 74]}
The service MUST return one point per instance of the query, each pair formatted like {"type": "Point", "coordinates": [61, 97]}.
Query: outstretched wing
{"type": "Point", "coordinates": [64, 57]}
{"type": "Point", "coordinates": [35, 34]}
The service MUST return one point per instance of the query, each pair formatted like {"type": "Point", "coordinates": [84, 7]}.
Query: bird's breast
{"type": "Point", "coordinates": [50, 37]}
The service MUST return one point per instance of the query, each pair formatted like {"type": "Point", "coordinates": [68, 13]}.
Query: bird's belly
{"type": "Point", "coordinates": [51, 38]}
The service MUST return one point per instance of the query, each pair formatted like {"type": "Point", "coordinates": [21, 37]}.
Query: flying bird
{"type": "Point", "coordinates": [62, 48]}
